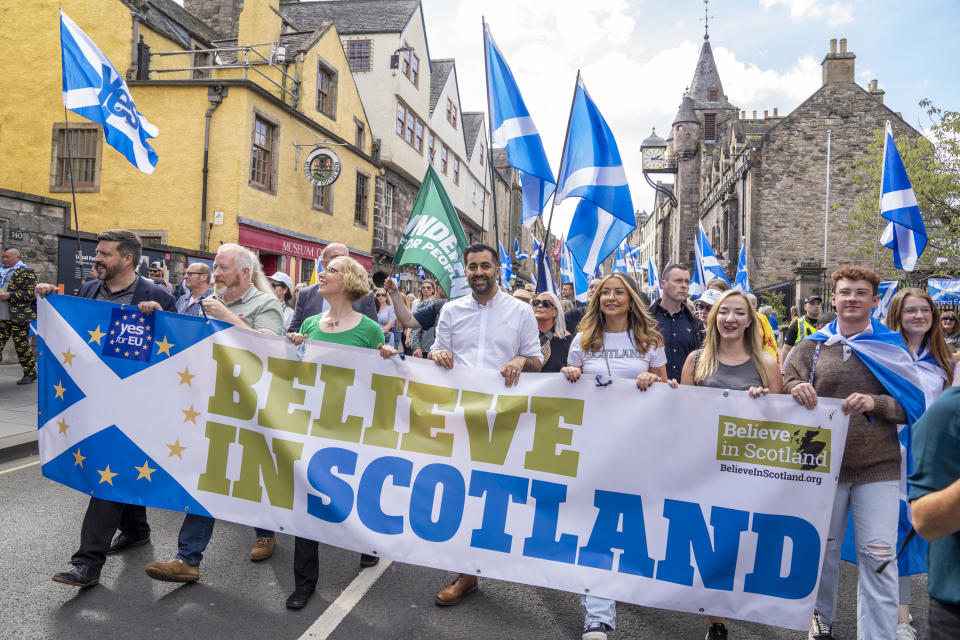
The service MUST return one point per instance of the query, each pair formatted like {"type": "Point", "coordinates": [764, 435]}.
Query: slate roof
{"type": "Point", "coordinates": [176, 23]}
{"type": "Point", "coordinates": [296, 41]}
{"type": "Point", "coordinates": [706, 76]}
{"type": "Point", "coordinates": [686, 114]}
{"type": "Point", "coordinates": [351, 16]}
{"type": "Point", "coordinates": [472, 121]}
{"type": "Point", "coordinates": [439, 70]}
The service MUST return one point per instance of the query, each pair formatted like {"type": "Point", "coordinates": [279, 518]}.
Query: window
{"type": "Point", "coordinates": [360, 204]}
{"type": "Point", "coordinates": [432, 146]}
{"type": "Point", "coordinates": [456, 170]}
{"type": "Point", "coordinates": [411, 67]}
{"type": "Point", "coordinates": [78, 149]}
{"type": "Point", "coordinates": [323, 198]}
{"type": "Point", "coordinates": [359, 55]}
{"type": "Point", "coordinates": [360, 137]}
{"type": "Point", "coordinates": [713, 94]}
{"type": "Point", "coordinates": [410, 127]}
{"type": "Point", "coordinates": [709, 126]}
{"type": "Point", "coordinates": [201, 60]}
{"type": "Point", "coordinates": [443, 160]}
{"type": "Point", "coordinates": [306, 269]}
{"type": "Point", "coordinates": [451, 113]}
{"type": "Point", "coordinates": [387, 205]}
{"type": "Point", "coordinates": [263, 161]}
{"type": "Point", "coordinates": [326, 89]}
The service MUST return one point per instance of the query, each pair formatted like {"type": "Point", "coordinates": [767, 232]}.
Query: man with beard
{"type": "Point", "coordinates": [242, 298]}
{"type": "Point", "coordinates": [115, 280]}
{"type": "Point", "coordinates": [489, 329]}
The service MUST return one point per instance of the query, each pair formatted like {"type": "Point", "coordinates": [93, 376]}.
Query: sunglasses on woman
{"type": "Point", "coordinates": [546, 303]}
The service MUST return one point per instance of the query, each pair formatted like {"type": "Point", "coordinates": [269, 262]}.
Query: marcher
{"type": "Point", "coordinates": [494, 330]}
{"type": "Point", "coordinates": [914, 314]}
{"type": "Point", "coordinates": [567, 292]}
{"type": "Point", "coordinates": [703, 304]}
{"type": "Point", "coordinates": [935, 502]}
{"type": "Point", "coordinates": [283, 289]}
{"type": "Point", "coordinates": [767, 312]}
{"type": "Point", "coordinates": [718, 284]}
{"type": "Point", "coordinates": [732, 357]}
{"type": "Point", "coordinates": [197, 279]}
{"type": "Point", "coordinates": [156, 271]}
{"type": "Point", "coordinates": [682, 331]}
{"type": "Point", "coordinates": [554, 338]}
{"type": "Point", "coordinates": [242, 297]}
{"type": "Point", "coordinates": [310, 303]}
{"type": "Point", "coordinates": [523, 295]}
{"type": "Point", "coordinates": [17, 310]}
{"type": "Point", "coordinates": [115, 280]}
{"type": "Point", "coordinates": [803, 326]}
{"type": "Point", "coordinates": [425, 295]}
{"type": "Point", "coordinates": [386, 317]}
{"type": "Point", "coordinates": [341, 283]}
{"type": "Point", "coordinates": [830, 364]}
{"type": "Point", "coordinates": [769, 337]}
{"type": "Point", "coordinates": [951, 332]}
{"type": "Point", "coordinates": [617, 339]}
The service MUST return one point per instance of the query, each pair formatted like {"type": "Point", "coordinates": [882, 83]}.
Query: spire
{"type": "Point", "coordinates": [705, 78]}
{"type": "Point", "coordinates": [685, 113]}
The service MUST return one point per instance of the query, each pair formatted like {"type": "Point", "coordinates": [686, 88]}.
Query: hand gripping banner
{"type": "Point", "coordinates": [693, 499]}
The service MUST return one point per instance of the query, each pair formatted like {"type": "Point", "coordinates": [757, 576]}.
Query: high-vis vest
{"type": "Point", "coordinates": [804, 328]}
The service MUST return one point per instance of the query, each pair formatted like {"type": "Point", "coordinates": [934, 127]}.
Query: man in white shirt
{"type": "Point", "coordinates": [489, 329]}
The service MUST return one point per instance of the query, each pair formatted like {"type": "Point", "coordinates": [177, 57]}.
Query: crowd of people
{"type": "Point", "coordinates": [718, 339]}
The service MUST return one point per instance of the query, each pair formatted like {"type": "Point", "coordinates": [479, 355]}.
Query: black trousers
{"type": "Point", "coordinates": [943, 620]}
{"type": "Point", "coordinates": [306, 562]}
{"type": "Point", "coordinates": [101, 521]}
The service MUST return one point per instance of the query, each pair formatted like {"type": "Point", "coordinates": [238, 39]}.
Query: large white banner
{"type": "Point", "coordinates": [693, 499]}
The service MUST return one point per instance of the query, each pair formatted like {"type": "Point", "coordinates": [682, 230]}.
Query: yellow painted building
{"type": "Point", "coordinates": [271, 96]}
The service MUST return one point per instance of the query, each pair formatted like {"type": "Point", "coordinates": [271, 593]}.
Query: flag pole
{"type": "Point", "coordinates": [563, 156]}
{"type": "Point", "coordinates": [493, 177]}
{"type": "Point", "coordinates": [883, 168]}
{"type": "Point", "coordinates": [826, 211]}
{"type": "Point", "coordinates": [73, 190]}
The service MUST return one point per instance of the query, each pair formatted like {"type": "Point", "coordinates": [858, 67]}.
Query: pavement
{"type": "Point", "coordinates": [18, 414]}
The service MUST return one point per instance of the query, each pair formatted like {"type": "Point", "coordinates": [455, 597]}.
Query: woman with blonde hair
{"type": "Point", "coordinates": [617, 339]}
{"type": "Point", "coordinates": [732, 357]}
{"type": "Point", "coordinates": [386, 315]}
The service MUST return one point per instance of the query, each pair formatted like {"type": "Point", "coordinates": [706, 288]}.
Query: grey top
{"type": "Point", "coordinates": [121, 296]}
{"type": "Point", "coordinates": [739, 378]}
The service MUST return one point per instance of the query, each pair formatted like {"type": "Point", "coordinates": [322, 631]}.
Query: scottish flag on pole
{"type": "Point", "coordinates": [421, 274]}
{"type": "Point", "coordinates": [571, 272]}
{"type": "Point", "coordinates": [905, 232]}
{"type": "Point", "coordinates": [514, 130]}
{"type": "Point", "coordinates": [94, 89]}
{"type": "Point", "coordinates": [742, 281]}
{"type": "Point", "coordinates": [506, 267]}
{"type": "Point", "coordinates": [620, 262]}
{"type": "Point", "coordinates": [592, 170]}
{"type": "Point", "coordinates": [886, 290]}
{"type": "Point", "coordinates": [653, 278]}
{"type": "Point", "coordinates": [517, 253]}
{"type": "Point", "coordinates": [707, 266]}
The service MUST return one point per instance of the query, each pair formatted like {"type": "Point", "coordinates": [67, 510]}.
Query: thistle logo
{"type": "Point", "coordinates": [774, 444]}
{"type": "Point", "coordinates": [130, 336]}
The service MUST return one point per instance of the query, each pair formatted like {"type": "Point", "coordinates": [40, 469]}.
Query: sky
{"type": "Point", "coordinates": [637, 56]}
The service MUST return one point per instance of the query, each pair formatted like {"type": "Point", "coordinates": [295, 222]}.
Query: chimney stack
{"type": "Point", "coordinates": [764, 114]}
{"type": "Point", "coordinates": [775, 112]}
{"type": "Point", "coordinates": [838, 67]}
{"type": "Point", "coordinates": [876, 91]}
{"type": "Point", "coordinates": [754, 114]}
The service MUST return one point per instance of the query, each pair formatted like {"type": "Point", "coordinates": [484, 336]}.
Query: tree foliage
{"type": "Point", "coordinates": [933, 164]}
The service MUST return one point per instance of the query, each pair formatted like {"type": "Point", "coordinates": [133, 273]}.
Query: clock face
{"type": "Point", "coordinates": [654, 158]}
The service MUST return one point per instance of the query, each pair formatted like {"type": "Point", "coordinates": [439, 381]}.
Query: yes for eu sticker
{"type": "Point", "coordinates": [130, 336]}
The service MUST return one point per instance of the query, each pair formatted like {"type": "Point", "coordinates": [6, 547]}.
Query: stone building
{"type": "Point", "coordinates": [764, 179]}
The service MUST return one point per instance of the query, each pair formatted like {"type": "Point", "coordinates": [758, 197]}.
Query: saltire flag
{"type": "Point", "coordinates": [545, 278]}
{"type": "Point", "coordinates": [619, 262]}
{"type": "Point", "coordinates": [742, 281]}
{"type": "Point", "coordinates": [944, 291]}
{"type": "Point", "coordinates": [707, 267]}
{"type": "Point", "coordinates": [517, 252]}
{"type": "Point", "coordinates": [514, 130]}
{"type": "Point", "coordinates": [571, 272]}
{"type": "Point", "coordinates": [94, 89]}
{"type": "Point", "coordinates": [653, 279]}
{"type": "Point", "coordinates": [506, 268]}
{"type": "Point", "coordinates": [592, 170]}
{"type": "Point", "coordinates": [905, 232]}
{"type": "Point", "coordinates": [421, 274]}
{"type": "Point", "coordinates": [434, 230]}
{"type": "Point", "coordinates": [631, 254]}
{"type": "Point", "coordinates": [536, 252]}
{"type": "Point", "coordinates": [886, 291]}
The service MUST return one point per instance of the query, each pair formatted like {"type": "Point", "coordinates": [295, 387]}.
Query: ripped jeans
{"type": "Point", "coordinates": [876, 509]}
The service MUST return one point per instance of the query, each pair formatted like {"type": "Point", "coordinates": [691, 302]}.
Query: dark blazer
{"type": "Point", "coordinates": [310, 303]}
{"type": "Point", "coordinates": [146, 290]}
{"type": "Point", "coordinates": [22, 305]}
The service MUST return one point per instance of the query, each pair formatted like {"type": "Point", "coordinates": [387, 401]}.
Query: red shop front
{"type": "Point", "coordinates": [292, 253]}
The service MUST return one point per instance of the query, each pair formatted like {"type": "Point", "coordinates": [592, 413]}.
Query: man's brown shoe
{"type": "Point", "coordinates": [175, 570]}
{"type": "Point", "coordinates": [263, 548]}
{"type": "Point", "coordinates": [454, 592]}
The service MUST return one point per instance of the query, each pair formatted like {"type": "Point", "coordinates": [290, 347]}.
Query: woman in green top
{"type": "Point", "coordinates": [341, 283]}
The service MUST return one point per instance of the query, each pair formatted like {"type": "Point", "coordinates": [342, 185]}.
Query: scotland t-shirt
{"type": "Point", "coordinates": [626, 361]}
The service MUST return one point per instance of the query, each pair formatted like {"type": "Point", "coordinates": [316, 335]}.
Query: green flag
{"type": "Point", "coordinates": [434, 238]}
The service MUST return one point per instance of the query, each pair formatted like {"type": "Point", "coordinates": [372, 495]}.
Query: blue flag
{"type": "Point", "coordinates": [514, 130]}
{"type": "Point", "coordinates": [536, 252]}
{"type": "Point", "coordinates": [545, 278]}
{"type": "Point", "coordinates": [620, 262]}
{"type": "Point", "coordinates": [94, 89]}
{"type": "Point", "coordinates": [592, 170]}
{"type": "Point", "coordinates": [742, 281]}
{"type": "Point", "coordinates": [944, 291]}
{"type": "Point", "coordinates": [571, 272]}
{"type": "Point", "coordinates": [886, 290]}
{"type": "Point", "coordinates": [506, 268]}
{"type": "Point", "coordinates": [517, 253]}
{"type": "Point", "coordinates": [707, 265]}
{"type": "Point", "coordinates": [905, 233]}
{"type": "Point", "coordinates": [653, 279]}
{"type": "Point", "coordinates": [421, 274]}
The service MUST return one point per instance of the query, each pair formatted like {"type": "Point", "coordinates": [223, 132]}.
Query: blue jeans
{"type": "Point", "coordinates": [195, 534]}
{"type": "Point", "coordinates": [876, 511]}
{"type": "Point", "coordinates": [599, 610]}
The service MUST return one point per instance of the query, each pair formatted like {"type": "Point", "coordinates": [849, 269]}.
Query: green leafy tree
{"type": "Point", "coordinates": [933, 164]}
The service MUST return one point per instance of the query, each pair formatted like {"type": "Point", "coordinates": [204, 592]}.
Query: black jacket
{"type": "Point", "coordinates": [146, 290]}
